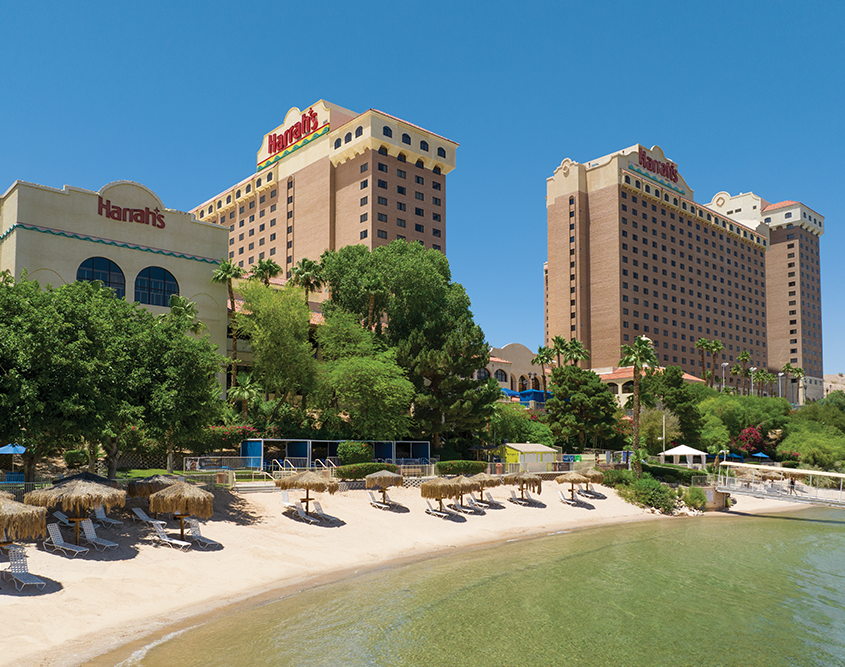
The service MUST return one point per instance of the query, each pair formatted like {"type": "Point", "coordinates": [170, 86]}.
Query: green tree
{"type": "Point", "coordinates": [739, 412]}
{"type": "Point", "coordinates": [265, 270]}
{"type": "Point", "coordinates": [560, 346]}
{"type": "Point", "coordinates": [714, 348]}
{"type": "Point", "coordinates": [638, 355]}
{"type": "Point", "coordinates": [714, 434]}
{"type": "Point", "coordinates": [356, 283]}
{"type": "Point", "coordinates": [545, 357]}
{"type": "Point", "coordinates": [247, 391]}
{"type": "Point", "coordinates": [511, 422]}
{"type": "Point", "coordinates": [680, 399]}
{"type": "Point", "coordinates": [817, 444]}
{"type": "Point", "coordinates": [307, 274]}
{"type": "Point", "coordinates": [744, 358]}
{"type": "Point", "coordinates": [576, 352]}
{"type": "Point", "coordinates": [581, 406]}
{"type": "Point", "coordinates": [228, 272]}
{"type": "Point", "coordinates": [702, 345]}
{"type": "Point", "coordinates": [799, 375]}
{"type": "Point", "coordinates": [184, 309]}
{"type": "Point", "coordinates": [651, 429]}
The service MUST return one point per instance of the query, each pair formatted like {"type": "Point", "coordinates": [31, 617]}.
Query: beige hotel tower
{"type": "Point", "coordinates": [631, 253]}
{"type": "Point", "coordinates": [328, 177]}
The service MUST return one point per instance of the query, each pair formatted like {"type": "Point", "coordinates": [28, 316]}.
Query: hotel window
{"type": "Point", "coordinates": [364, 184]}
{"type": "Point", "coordinates": [104, 270]}
{"type": "Point", "coordinates": [441, 152]}
{"type": "Point", "coordinates": [399, 237]}
{"type": "Point", "coordinates": [364, 217]}
{"type": "Point", "coordinates": [364, 167]}
{"type": "Point", "coordinates": [420, 196]}
{"type": "Point", "coordinates": [420, 212]}
{"type": "Point", "coordinates": [252, 204]}
{"type": "Point", "coordinates": [272, 208]}
{"type": "Point", "coordinates": [273, 222]}
{"type": "Point", "coordinates": [382, 167]}
{"type": "Point", "coordinates": [787, 215]}
{"type": "Point", "coordinates": [252, 218]}
{"type": "Point", "coordinates": [382, 184]}
{"type": "Point", "coordinates": [290, 244]}
{"type": "Point", "coordinates": [400, 173]}
{"type": "Point", "coordinates": [401, 157]}
{"type": "Point", "coordinates": [241, 223]}
{"type": "Point", "coordinates": [400, 222]}
{"type": "Point", "coordinates": [252, 246]}
{"type": "Point", "coordinates": [290, 229]}
{"type": "Point", "coordinates": [248, 189]}
{"type": "Point", "coordinates": [154, 286]}
{"type": "Point", "coordinates": [382, 150]}
{"type": "Point", "coordinates": [347, 138]}
{"type": "Point", "coordinates": [337, 143]}
{"type": "Point", "coordinates": [400, 189]}
{"type": "Point", "coordinates": [419, 180]}
{"type": "Point", "coordinates": [290, 259]}
{"type": "Point", "coordinates": [386, 131]}
{"type": "Point", "coordinates": [419, 228]}
{"type": "Point", "coordinates": [263, 198]}
{"type": "Point", "coordinates": [261, 227]}
{"type": "Point", "coordinates": [435, 185]}
{"type": "Point", "coordinates": [436, 170]}
{"type": "Point", "coordinates": [229, 199]}
{"type": "Point", "coordinates": [232, 254]}
{"type": "Point", "coordinates": [359, 131]}
{"type": "Point", "coordinates": [382, 217]}
{"type": "Point", "coordinates": [241, 210]}
{"type": "Point", "coordinates": [434, 246]}
{"type": "Point", "coordinates": [381, 234]}
{"type": "Point", "coordinates": [290, 199]}
{"type": "Point", "coordinates": [363, 234]}
{"type": "Point", "coordinates": [436, 232]}
{"type": "Point", "coordinates": [364, 201]}
{"type": "Point", "coordinates": [435, 201]}
{"type": "Point", "coordinates": [273, 236]}
{"type": "Point", "coordinates": [420, 164]}
{"type": "Point", "coordinates": [382, 201]}
{"type": "Point", "coordinates": [406, 139]}
{"type": "Point", "coordinates": [290, 184]}
{"type": "Point", "coordinates": [231, 241]}
{"type": "Point", "coordinates": [401, 206]}
{"type": "Point", "coordinates": [424, 146]}
{"type": "Point", "coordinates": [290, 214]}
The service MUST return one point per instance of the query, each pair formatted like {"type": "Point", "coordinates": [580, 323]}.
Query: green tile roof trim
{"type": "Point", "coordinates": [117, 244]}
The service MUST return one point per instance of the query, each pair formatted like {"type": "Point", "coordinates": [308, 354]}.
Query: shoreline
{"type": "Point", "coordinates": [171, 605]}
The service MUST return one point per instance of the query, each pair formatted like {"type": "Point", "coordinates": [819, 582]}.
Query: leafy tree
{"type": "Point", "coordinates": [739, 412]}
{"type": "Point", "coordinates": [679, 398]}
{"type": "Point", "coordinates": [511, 422]}
{"type": "Point", "coordinates": [823, 412]}
{"type": "Point", "coordinates": [351, 452]}
{"type": "Point", "coordinates": [702, 345]}
{"type": "Point", "coordinates": [651, 430]}
{"type": "Point", "coordinates": [638, 355]}
{"type": "Point", "coordinates": [581, 406]}
{"type": "Point", "coordinates": [356, 283]}
{"type": "Point", "coordinates": [247, 390]}
{"type": "Point", "coordinates": [228, 272]}
{"type": "Point", "coordinates": [545, 357]}
{"type": "Point", "coordinates": [560, 346]}
{"type": "Point", "coordinates": [576, 352]}
{"type": "Point", "coordinates": [265, 270]}
{"type": "Point", "coordinates": [307, 274]}
{"type": "Point", "coordinates": [183, 309]}
{"type": "Point", "coordinates": [817, 444]}
{"type": "Point", "coordinates": [744, 358]}
{"type": "Point", "coordinates": [714, 434]}
{"type": "Point", "coordinates": [714, 348]}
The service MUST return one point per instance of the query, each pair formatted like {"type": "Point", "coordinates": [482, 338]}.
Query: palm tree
{"type": "Point", "coordinates": [638, 355]}
{"type": "Point", "coordinates": [307, 274]}
{"type": "Point", "coordinates": [182, 308]}
{"type": "Point", "coordinates": [702, 345]}
{"type": "Point", "coordinates": [246, 391]}
{"type": "Point", "coordinates": [545, 357]}
{"type": "Point", "coordinates": [264, 270]}
{"type": "Point", "coordinates": [788, 369]}
{"type": "Point", "coordinates": [799, 374]}
{"type": "Point", "coordinates": [227, 273]}
{"type": "Point", "coordinates": [714, 347]}
{"type": "Point", "coordinates": [576, 352]}
{"type": "Point", "coordinates": [560, 346]}
{"type": "Point", "coordinates": [736, 369]}
{"type": "Point", "coordinates": [743, 358]}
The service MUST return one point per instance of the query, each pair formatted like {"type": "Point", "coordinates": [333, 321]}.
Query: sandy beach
{"type": "Point", "coordinates": [109, 602]}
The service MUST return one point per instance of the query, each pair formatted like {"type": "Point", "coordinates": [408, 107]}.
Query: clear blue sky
{"type": "Point", "coordinates": [176, 95]}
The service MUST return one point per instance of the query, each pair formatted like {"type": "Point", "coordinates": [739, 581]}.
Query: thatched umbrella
{"type": "Point", "coordinates": [183, 499]}
{"type": "Point", "coordinates": [464, 485]}
{"type": "Point", "coordinates": [486, 481]}
{"type": "Point", "coordinates": [595, 476]}
{"type": "Point", "coordinates": [77, 496]}
{"type": "Point", "coordinates": [439, 488]}
{"type": "Point", "coordinates": [309, 481]}
{"type": "Point", "coordinates": [525, 480]}
{"type": "Point", "coordinates": [572, 478]}
{"type": "Point", "coordinates": [19, 521]}
{"type": "Point", "coordinates": [381, 480]}
{"type": "Point", "coordinates": [144, 487]}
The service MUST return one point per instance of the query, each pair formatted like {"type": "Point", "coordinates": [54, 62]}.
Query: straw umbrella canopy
{"type": "Point", "coordinates": [309, 481]}
{"type": "Point", "coordinates": [486, 480]}
{"type": "Point", "coordinates": [381, 480]}
{"type": "Point", "coordinates": [439, 488]}
{"type": "Point", "coordinates": [183, 499]}
{"type": "Point", "coordinates": [144, 487]}
{"type": "Point", "coordinates": [595, 476]}
{"type": "Point", "coordinates": [19, 521]}
{"type": "Point", "coordinates": [525, 480]}
{"type": "Point", "coordinates": [571, 478]}
{"type": "Point", "coordinates": [465, 485]}
{"type": "Point", "coordinates": [77, 497]}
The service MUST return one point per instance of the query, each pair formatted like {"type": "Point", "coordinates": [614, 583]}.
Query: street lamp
{"type": "Point", "coordinates": [724, 366]}
{"type": "Point", "coordinates": [780, 386]}
{"type": "Point", "coordinates": [753, 370]}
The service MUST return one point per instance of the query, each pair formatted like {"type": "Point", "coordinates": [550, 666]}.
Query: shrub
{"type": "Point", "coordinates": [460, 467]}
{"type": "Point", "coordinates": [76, 458]}
{"type": "Point", "coordinates": [695, 497]}
{"type": "Point", "coordinates": [361, 470]}
{"type": "Point", "coordinates": [651, 493]}
{"type": "Point", "coordinates": [351, 452]}
{"type": "Point", "coordinates": [614, 477]}
{"type": "Point", "coordinates": [681, 475]}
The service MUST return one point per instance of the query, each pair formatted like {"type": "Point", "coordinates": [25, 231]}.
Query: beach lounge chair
{"type": "Point", "coordinates": [91, 537]}
{"type": "Point", "coordinates": [528, 497]}
{"type": "Point", "coordinates": [286, 503]}
{"type": "Point", "coordinates": [480, 503]}
{"type": "Point", "coordinates": [491, 500]}
{"type": "Point", "coordinates": [300, 513]}
{"type": "Point", "coordinates": [434, 512]}
{"type": "Point", "coordinates": [106, 522]}
{"type": "Point", "coordinates": [474, 506]}
{"type": "Point", "coordinates": [196, 535]}
{"type": "Point", "coordinates": [140, 515]}
{"type": "Point", "coordinates": [323, 516]}
{"type": "Point", "coordinates": [172, 542]}
{"type": "Point", "coordinates": [564, 499]}
{"type": "Point", "coordinates": [67, 523]}
{"type": "Point", "coordinates": [19, 572]}
{"type": "Point", "coordinates": [377, 503]}
{"type": "Point", "coordinates": [56, 542]}
{"type": "Point", "coordinates": [388, 500]}
{"type": "Point", "coordinates": [518, 501]}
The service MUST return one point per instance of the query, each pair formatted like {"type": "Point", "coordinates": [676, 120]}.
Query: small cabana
{"type": "Point", "coordinates": [530, 456]}
{"type": "Point", "coordinates": [689, 453]}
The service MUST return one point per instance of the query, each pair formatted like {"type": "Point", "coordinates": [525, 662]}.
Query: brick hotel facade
{"type": "Point", "coordinates": [631, 253]}
{"type": "Point", "coordinates": [329, 177]}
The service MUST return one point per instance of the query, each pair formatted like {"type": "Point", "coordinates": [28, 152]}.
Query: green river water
{"type": "Point", "coordinates": [766, 591]}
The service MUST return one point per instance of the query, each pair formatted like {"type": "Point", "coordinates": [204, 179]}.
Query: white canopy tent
{"type": "Point", "coordinates": [682, 450]}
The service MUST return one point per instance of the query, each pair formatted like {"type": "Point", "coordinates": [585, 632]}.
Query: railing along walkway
{"type": "Point", "coordinates": [806, 488]}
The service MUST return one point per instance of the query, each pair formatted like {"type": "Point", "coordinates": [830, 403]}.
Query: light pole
{"type": "Point", "coordinates": [753, 369]}
{"type": "Point", "coordinates": [724, 366]}
{"type": "Point", "coordinates": [780, 386]}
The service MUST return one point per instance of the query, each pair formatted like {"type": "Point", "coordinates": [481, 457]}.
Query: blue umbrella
{"type": "Point", "coordinates": [12, 448]}
{"type": "Point", "coordinates": [758, 455]}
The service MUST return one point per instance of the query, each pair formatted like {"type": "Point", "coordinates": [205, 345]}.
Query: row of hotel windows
{"type": "Point", "coordinates": [382, 234]}
{"type": "Point", "coordinates": [247, 190]}
{"type": "Point", "coordinates": [388, 132]}
{"type": "Point", "coordinates": [153, 285]}
{"type": "Point", "coordinates": [401, 173]}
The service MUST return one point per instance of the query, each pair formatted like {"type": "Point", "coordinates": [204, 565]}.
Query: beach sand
{"type": "Point", "coordinates": [100, 602]}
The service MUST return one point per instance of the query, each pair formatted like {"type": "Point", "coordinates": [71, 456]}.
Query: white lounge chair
{"type": "Point", "coordinates": [377, 503]}
{"type": "Point", "coordinates": [101, 518]}
{"type": "Point", "coordinates": [564, 499]}
{"type": "Point", "coordinates": [480, 503]}
{"type": "Point", "coordinates": [286, 503]}
{"type": "Point", "coordinates": [62, 517]}
{"type": "Point", "coordinates": [323, 516]}
{"type": "Point", "coordinates": [300, 512]}
{"type": "Point", "coordinates": [18, 571]}
{"type": "Point", "coordinates": [140, 515]}
{"type": "Point", "coordinates": [91, 537]}
{"type": "Point", "coordinates": [474, 506]}
{"type": "Point", "coordinates": [518, 501]}
{"type": "Point", "coordinates": [528, 497]}
{"type": "Point", "coordinates": [56, 542]}
{"type": "Point", "coordinates": [196, 535]}
{"type": "Point", "coordinates": [172, 542]}
{"type": "Point", "coordinates": [434, 512]}
{"type": "Point", "coordinates": [491, 500]}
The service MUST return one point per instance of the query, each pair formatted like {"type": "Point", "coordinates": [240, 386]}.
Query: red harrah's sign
{"type": "Point", "coordinates": [143, 215]}
{"type": "Point", "coordinates": [667, 169]}
{"type": "Point", "coordinates": [276, 143]}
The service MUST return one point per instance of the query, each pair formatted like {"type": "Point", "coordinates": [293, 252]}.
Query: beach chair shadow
{"type": "Point", "coordinates": [534, 502]}
{"type": "Point", "coordinates": [492, 503]}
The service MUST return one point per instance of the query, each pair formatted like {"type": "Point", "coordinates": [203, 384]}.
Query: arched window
{"type": "Point", "coordinates": [210, 209]}
{"type": "Point", "coordinates": [406, 139]}
{"type": "Point", "coordinates": [104, 270]}
{"type": "Point", "coordinates": [154, 285]}
{"type": "Point", "coordinates": [424, 146]}
{"type": "Point", "coordinates": [258, 183]}
{"type": "Point", "coordinates": [441, 152]}
{"type": "Point", "coordinates": [500, 376]}
{"type": "Point", "coordinates": [237, 194]}
{"type": "Point", "coordinates": [628, 387]}
{"type": "Point", "coordinates": [347, 138]}
{"type": "Point", "coordinates": [614, 388]}
{"type": "Point", "coordinates": [386, 131]}
{"type": "Point", "coordinates": [269, 176]}
{"type": "Point", "coordinates": [202, 213]}
{"type": "Point", "coordinates": [359, 131]}
{"type": "Point", "coordinates": [382, 150]}
{"type": "Point", "coordinates": [483, 374]}
{"type": "Point", "coordinates": [248, 189]}
{"type": "Point", "coordinates": [337, 142]}
{"type": "Point", "coordinates": [523, 383]}
{"type": "Point", "coordinates": [535, 384]}
{"type": "Point", "coordinates": [572, 200]}
{"type": "Point", "coordinates": [228, 199]}
{"type": "Point", "coordinates": [219, 203]}
{"type": "Point", "coordinates": [436, 170]}
{"type": "Point", "coordinates": [421, 164]}
{"type": "Point", "coordinates": [401, 157]}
